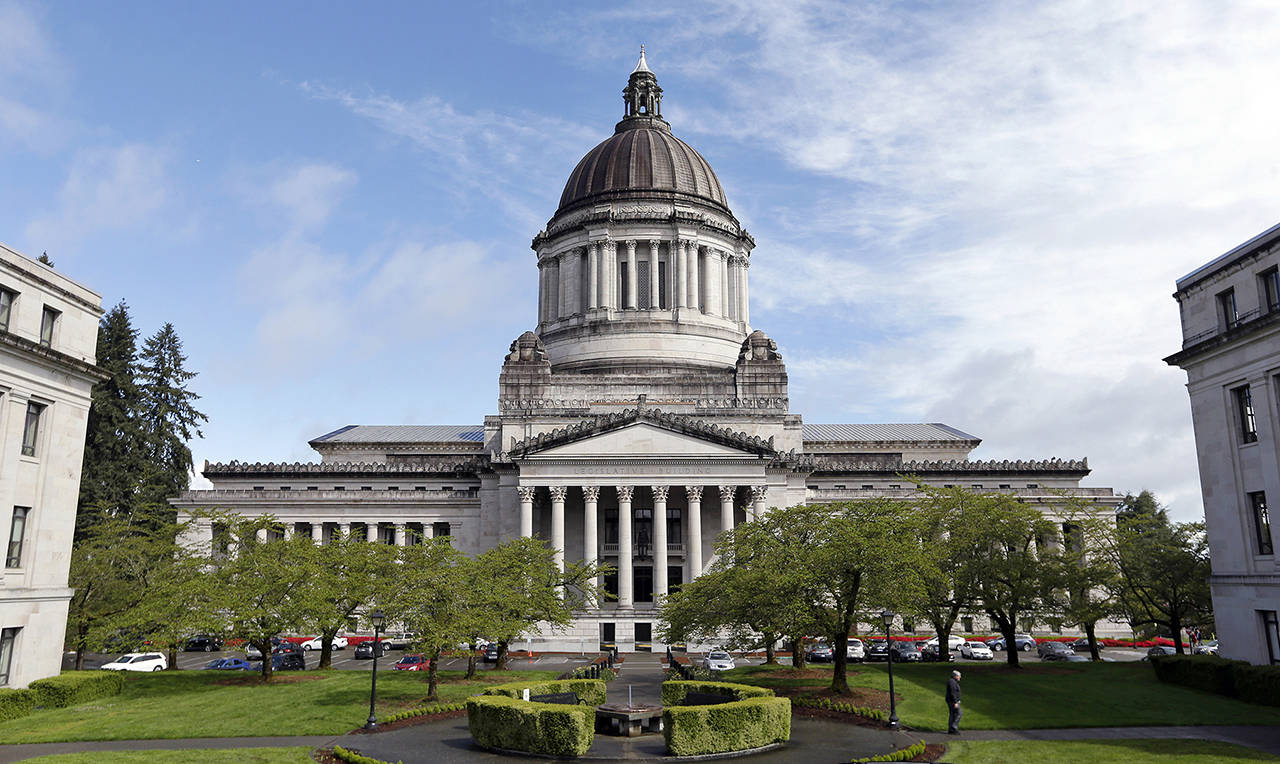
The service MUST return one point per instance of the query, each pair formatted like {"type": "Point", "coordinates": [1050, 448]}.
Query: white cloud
{"type": "Point", "coordinates": [30, 73]}
{"type": "Point", "coordinates": [990, 204]}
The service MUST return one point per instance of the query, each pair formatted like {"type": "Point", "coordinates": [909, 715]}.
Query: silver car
{"type": "Point", "coordinates": [718, 660]}
{"type": "Point", "coordinates": [855, 651]}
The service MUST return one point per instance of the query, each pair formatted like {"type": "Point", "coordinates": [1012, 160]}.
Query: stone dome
{"type": "Point", "coordinates": [643, 156]}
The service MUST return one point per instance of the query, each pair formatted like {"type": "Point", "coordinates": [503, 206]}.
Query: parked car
{"type": "Point", "coordinates": [227, 664]}
{"type": "Point", "coordinates": [1081, 645]}
{"type": "Point", "coordinates": [414, 662]}
{"type": "Point", "coordinates": [365, 649]}
{"type": "Point", "coordinates": [954, 642]}
{"type": "Point", "coordinates": [491, 653]}
{"type": "Point", "coordinates": [1049, 647]}
{"type": "Point", "coordinates": [289, 662]}
{"type": "Point", "coordinates": [400, 640]}
{"type": "Point", "coordinates": [1207, 648]}
{"type": "Point", "coordinates": [820, 653]}
{"type": "Point", "coordinates": [718, 660]}
{"type": "Point", "coordinates": [929, 652]}
{"type": "Point", "coordinates": [339, 642]}
{"type": "Point", "coordinates": [1065, 655]}
{"type": "Point", "coordinates": [854, 651]}
{"type": "Point", "coordinates": [287, 647]}
{"type": "Point", "coordinates": [878, 651]}
{"type": "Point", "coordinates": [976, 651]}
{"type": "Point", "coordinates": [138, 662]}
{"type": "Point", "coordinates": [1159, 650]}
{"type": "Point", "coordinates": [203, 642]}
{"type": "Point", "coordinates": [1024, 642]}
{"type": "Point", "coordinates": [906, 651]}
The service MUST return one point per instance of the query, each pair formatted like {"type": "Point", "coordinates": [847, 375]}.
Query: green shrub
{"type": "Point", "coordinates": [902, 754]}
{"type": "Point", "coordinates": [434, 708]}
{"type": "Point", "coordinates": [1203, 672]}
{"type": "Point", "coordinates": [590, 691]}
{"type": "Point", "coordinates": [1257, 684]}
{"type": "Point", "coordinates": [499, 721]}
{"type": "Point", "coordinates": [844, 708]}
{"type": "Point", "coordinates": [736, 726]}
{"type": "Point", "coordinates": [673, 692]}
{"type": "Point", "coordinates": [16, 703]}
{"type": "Point", "coordinates": [352, 757]}
{"type": "Point", "coordinates": [76, 687]}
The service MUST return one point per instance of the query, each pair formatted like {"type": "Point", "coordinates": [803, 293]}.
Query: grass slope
{"type": "Point", "coordinates": [1035, 696]}
{"type": "Point", "coordinates": [186, 756]}
{"type": "Point", "coordinates": [1101, 752]}
{"type": "Point", "coordinates": [212, 704]}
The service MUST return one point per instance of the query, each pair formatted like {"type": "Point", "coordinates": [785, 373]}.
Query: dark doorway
{"type": "Point", "coordinates": [675, 577]}
{"type": "Point", "coordinates": [644, 583]}
{"type": "Point", "coordinates": [644, 637]}
{"type": "Point", "coordinates": [607, 636]}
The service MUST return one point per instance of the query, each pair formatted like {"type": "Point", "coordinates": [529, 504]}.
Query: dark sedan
{"type": "Point", "coordinates": [289, 662]}
{"type": "Point", "coordinates": [1158, 650]}
{"type": "Point", "coordinates": [1081, 645]}
{"type": "Point", "coordinates": [906, 652]}
{"type": "Point", "coordinates": [365, 649]}
{"type": "Point", "coordinates": [491, 653]}
{"type": "Point", "coordinates": [1049, 647]}
{"type": "Point", "coordinates": [203, 643]}
{"type": "Point", "coordinates": [1067, 656]}
{"type": "Point", "coordinates": [878, 651]}
{"type": "Point", "coordinates": [820, 654]}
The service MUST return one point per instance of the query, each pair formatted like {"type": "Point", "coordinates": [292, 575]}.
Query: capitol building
{"type": "Point", "coordinates": [643, 415]}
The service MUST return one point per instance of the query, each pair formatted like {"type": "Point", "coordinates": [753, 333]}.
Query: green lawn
{"type": "Point", "coordinates": [193, 704]}
{"type": "Point", "coordinates": [1101, 752]}
{"type": "Point", "coordinates": [1035, 696]}
{"type": "Point", "coordinates": [192, 755]}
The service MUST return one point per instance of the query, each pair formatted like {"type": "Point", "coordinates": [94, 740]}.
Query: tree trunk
{"type": "Point", "coordinates": [840, 673]}
{"type": "Point", "coordinates": [432, 677]}
{"type": "Point", "coordinates": [770, 650]}
{"type": "Point", "coordinates": [944, 642]}
{"type": "Point", "coordinates": [797, 653]}
{"type": "Point", "coordinates": [1175, 625]}
{"type": "Point", "coordinates": [326, 647]}
{"type": "Point", "coordinates": [173, 658]}
{"type": "Point", "coordinates": [1093, 642]}
{"type": "Point", "coordinates": [471, 662]}
{"type": "Point", "coordinates": [82, 635]}
{"type": "Point", "coordinates": [1008, 631]}
{"type": "Point", "coordinates": [264, 647]}
{"type": "Point", "coordinates": [501, 665]}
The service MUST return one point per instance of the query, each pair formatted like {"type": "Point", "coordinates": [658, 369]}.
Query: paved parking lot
{"type": "Point", "coordinates": [345, 660]}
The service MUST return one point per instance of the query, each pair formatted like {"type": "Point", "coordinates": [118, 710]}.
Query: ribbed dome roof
{"type": "Point", "coordinates": [643, 158]}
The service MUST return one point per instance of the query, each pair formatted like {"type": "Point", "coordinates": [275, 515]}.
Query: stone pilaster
{"type": "Point", "coordinates": [558, 492]}
{"type": "Point", "coordinates": [660, 542]}
{"type": "Point", "coordinates": [526, 510]}
{"type": "Point", "coordinates": [626, 575]}
{"type": "Point", "coordinates": [654, 302]}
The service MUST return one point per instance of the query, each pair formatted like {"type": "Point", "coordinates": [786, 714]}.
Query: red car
{"type": "Point", "coordinates": [412, 663]}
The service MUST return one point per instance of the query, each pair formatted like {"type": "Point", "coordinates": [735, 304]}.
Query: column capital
{"type": "Point", "coordinates": [727, 491]}
{"type": "Point", "coordinates": [631, 245]}
{"type": "Point", "coordinates": [527, 492]}
{"type": "Point", "coordinates": [609, 245]}
{"type": "Point", "coordinates": [654, 244]}
{"type": "Point", "coordinates": [558, 492]}
{"type": "Point", "coordinates": [591, 492]}
{"type": "Point", "coordinates": [625, 492]}
{"type": "Point", "coordinates": [694, 492]}
{"type": "Point", "coordinates": [660, 492]}
{"type": "Point", "coordinates": [759, 492]}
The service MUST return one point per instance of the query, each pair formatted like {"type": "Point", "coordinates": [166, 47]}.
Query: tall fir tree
{"type": "Point", "coordinates": [112, 452]}
{"type": "Point", "coordinates": [169, 418]}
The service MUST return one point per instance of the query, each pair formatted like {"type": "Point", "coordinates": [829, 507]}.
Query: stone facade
{"type": "Point", "coordinates": [643, 418]}
{"type": "Point", "coordinates": [48, 339]}
{"type": "Point", "coordinates": [1230, 312]}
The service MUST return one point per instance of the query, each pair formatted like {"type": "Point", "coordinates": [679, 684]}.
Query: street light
{"type": "Point", "coordinates": [886, 618]}
{"type": "Point", "coordinates": [377, 619]}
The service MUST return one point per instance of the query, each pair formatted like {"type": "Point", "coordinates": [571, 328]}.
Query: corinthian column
{"type": "Point", "coordinates": [660, 542]}
{"type": "Point", "coordinates": [609, 273]}
{"type": "Point", "coordinates": [626, 578]}
{"type": "Point", "coordinates": [693, 538]}
{"type": "Point", "coordinates": [682, 273]}
{"type": "Point", "coordinates": [695, 298]}
{"type": "Point", "coordinates": [557, 524]}
{"type": "Point", "coordinates": [758, 495]}
{"type": "Point", "coordinates": [711, 281]}
{"type": "Point", "coordinates": [590, 543]}
{"type": "Point", "coordinates": [654, 302]}
{"type": "Point", "coordinates": [726, 507]}
{"type": "Point", "coordinates": [632, 281]}
{"type": "Point", "coordinates": [526, 510]}
{"type": "Point", "coordinates": [593, 275]}
{"type": "Point", "coordinates": [723, 262]}
{"type": "Point", "coordinates": [744, 309]}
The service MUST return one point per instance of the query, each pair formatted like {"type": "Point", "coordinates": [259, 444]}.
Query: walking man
{"type": "Point", "coordinates": [953, 703]}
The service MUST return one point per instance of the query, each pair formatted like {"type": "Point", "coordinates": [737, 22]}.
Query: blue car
{"type": "Point", "coordinates": [227, 664]}
{"type": "Point", "coordinates": [1024, 642]}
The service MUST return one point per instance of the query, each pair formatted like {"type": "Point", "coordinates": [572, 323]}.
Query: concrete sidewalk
{"type": "Point", "coordinates": [18, 752]}
{"type": "Point", "coordinates": [1262, 738]}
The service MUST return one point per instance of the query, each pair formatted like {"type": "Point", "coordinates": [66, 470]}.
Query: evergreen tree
{"type": "Point", "coordinates": [168, 415]}
{"type": "Point", "coordinates": [112, 453]}
{"type": "Point", "coordinates": [44, 258]}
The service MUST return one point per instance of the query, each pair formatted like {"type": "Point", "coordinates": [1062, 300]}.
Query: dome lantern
{"type": "Point", "coordinates": [642, 100]}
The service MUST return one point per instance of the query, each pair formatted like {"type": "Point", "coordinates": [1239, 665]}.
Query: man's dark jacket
{"type": "Point", "coordinates": [953, 691]}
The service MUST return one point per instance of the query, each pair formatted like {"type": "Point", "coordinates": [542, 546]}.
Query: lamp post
{"type": "Point", "coordinates": [377, 618]}
{"type": "Point", "coordinates": [887, 618]}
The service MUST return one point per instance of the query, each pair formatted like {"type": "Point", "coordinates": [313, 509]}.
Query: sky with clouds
{"type": "Point", "coordinates": [964, 213]}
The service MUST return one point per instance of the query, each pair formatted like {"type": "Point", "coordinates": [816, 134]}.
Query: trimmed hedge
{"type": "Point", "coordinates": [77, 687]}
{"type": "Point", "coordinates": [591, 691]}
{"type": "Point", "coordinates": [499, 721]}
{"type": "Point", "coordinates": [736, 726]}
{"type": "Point", "coordinates": [434, 708]}
{"type": "Point", "coordinates": [15, 704]}
{"type": "Point", "coordinates": [844, 708]}
{"type": "Point", "coordinates": [673, 692]}
{"type": "Point", "coordinates": [1234, 679]}
{"type": "Point", "coordinates": [902, 754]}
{"type": "Point", "coordinates": [342, 754]}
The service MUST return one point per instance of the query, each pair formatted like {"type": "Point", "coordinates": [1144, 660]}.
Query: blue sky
{"type": "Point", "coordinates": [966, 214]}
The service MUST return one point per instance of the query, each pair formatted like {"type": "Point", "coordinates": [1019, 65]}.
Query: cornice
{"type": "Point", "coordinates": [1059, 466]}
{"type": "Point", "coordinates": [53, 357]}
{"type": "Point", "coordinates": [351, 469]}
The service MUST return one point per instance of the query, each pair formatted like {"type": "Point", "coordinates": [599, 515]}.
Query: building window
{"type": "Point", "coordinates": [675, 578]}
{"type": "Point", "coordinates": [440, 530]}
{"type": "Point", "coordinates": [838, 487]}
{"type": "Point", "coordinates": [366, 488]}
{"type": "Point", "coordinates": [285, 488]}
{"type": "Point", "coordinates": [1004, 485]}
{"type": "Point", "coordinates": [419, 488]}
{"type": "Point", "coordinates": [867, 486]}
{"type": "Point", "coordinates": [259, 488]}
{"type": "Point", "coordinates": [623, 292]}
{"type": "Point", "coordinates": [31, 430]}
{"type": "Point", "coordinates": [611, 526]}
{"type": "Point", "coordinates": [1270, 629]}
{"type": "Point", "coordinates": [339, 488]}
{"type": "Point", "coordinates": [664, 301]}
{"type": "Point", "coordinates": [1033, 485]}
{"type": "Point", "coordinates": [1227, 308]}
{"type": "Point", "coordinates": [1261, 522]}
{"type": "Point", "coordinates": [7, 298]}
{"type": "Point", "coordinates": [674, 526]}
{"type": "Point", "coordinates": [393, 488]}
{"type": "Point", "coordinates": [976, 485]}
{"type": "Point", "coordinates": [895, 486]}
{"type": "Point", "coordinates": [642, 289]}
{"type": "Point", "coordinates": [313, 488]}
{"type": "Point", "coordinates": [1270, 289]}
{"type": "Point", "coordinates": [7, 638]}
{"type": "Point", "coordinates": [967, 624]}
{"type": "Point", "coordinates": [17, 534]}
{"type": "Point", "coordinates": [1244, 410]}
{"type": "Point", "coordinates": [47, 321]}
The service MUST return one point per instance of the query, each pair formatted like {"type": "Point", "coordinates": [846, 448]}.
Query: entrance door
{"type": "Point", "coordinates": [608, 632]}
{"type": "Point", "coordinates": [644, 583]}
{"type": "Point", "coordinates": [644, 637]}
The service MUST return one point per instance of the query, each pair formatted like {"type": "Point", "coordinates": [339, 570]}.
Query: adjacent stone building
{"type": "Point", "coordinates": [48, 339]}
{"type": "Point", "coordinates": [1230, 311]}
{"type": "Point", "coordinates": [643, 417]}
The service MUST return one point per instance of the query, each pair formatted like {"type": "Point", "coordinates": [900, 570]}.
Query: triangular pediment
{"type": "Point", "coordinates": [641, 439]}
